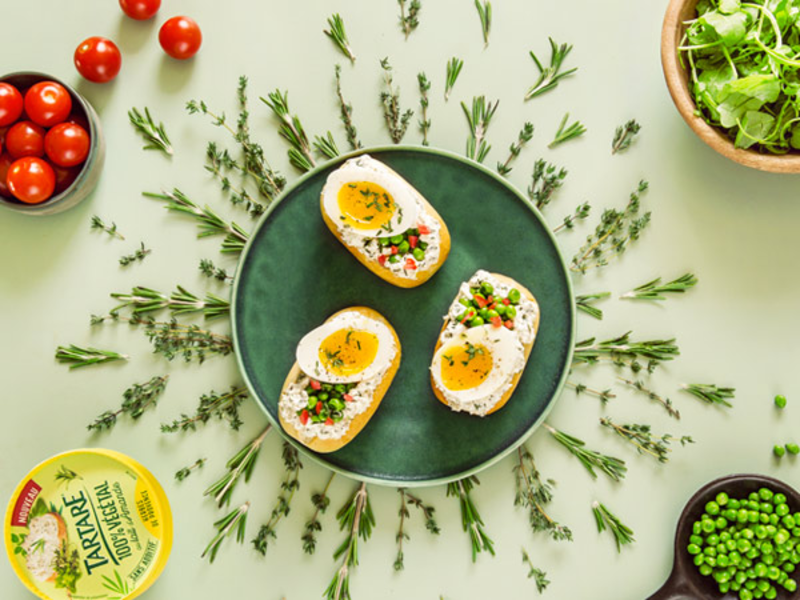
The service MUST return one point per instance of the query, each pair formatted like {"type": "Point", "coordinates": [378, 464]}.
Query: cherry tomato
{"type": "Point", "coordinates": [67, 144]}
{"type": "Point", "coordinates": [31, 180]}
{"type": "Point", "coordinates": [48, 103]}
{"type": "Point", "coordinates": [25, 138]}
{"type": "Point", "coordinates": [141, 10]}
{"type": "Point", "coordinates": [5, 163]}
{"type": "Point", "coordinates": [98, 59]}
{"type": "Point", "coordinates": [10, 104]}
{"type": "Point", "coordinates": [65, 177]}
{"type": "Point", "coordinates": [180, 37]}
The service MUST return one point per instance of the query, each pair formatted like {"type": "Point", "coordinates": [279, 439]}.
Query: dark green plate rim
{"type": "Point", "coordinates": [320, 458]}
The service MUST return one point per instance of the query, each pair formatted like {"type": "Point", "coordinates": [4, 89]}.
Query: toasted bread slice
{"type": "Point", "coordinates": [528, 347]}
{"type": "Point", "coordinates": [46, 535]}
{"type": "Point", "coordinates": [359, 421]}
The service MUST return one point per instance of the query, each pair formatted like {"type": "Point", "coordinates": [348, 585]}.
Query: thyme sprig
{"type": "Point", "coordinates": [291, 129]}
{"type": "Point", "coordinates": [585, 303]}
{"type": "Point", "coordinates": [97, 223]}
{"type": "Point", "coordinates": [289, 485]}
{"type": "Point", "coordinates": [454, 66]}
{"type": "Point", "coordinates": [78, 356]}
{"type": "Point", "coordinates": [139, 254]}
{"type": "Point", "coordinates": [550, 76]}
{"type": "Point", "coordinates": [338, 35]}
{"type": "Point", "coordinates": [135, 400]}
{"type": "Point", "coordinates": [485, 13]}
{"type": "Point", "coordinates": [471, 520]}
{"type": "Point", "coordinates": [218, 163]}
{"type": "Point", "coordinates": [478, 120]}
{"type": "Point", "coordinates": [185, 472]}
{"type": "Point", "coordinates": [581, 212]}
{"type": "Point", "coordinates": [534, 493]}
{"type": "Point", "coordinates": [665, 402]}
{"type": "Point", "coordinates": [143, 300]}
{"type": "Point", "coordinates": [326, 145]}
{"type": "Point", "coordinates": [236, 521]}
{"type": "Point", "coordinates": [210, 270]}
{"type": "Point", "coordinates": [346, 112]}
{"type": "Point", "coordinates": [613, 467]}
{"type": "Point", "coordinates": [155, 135]}
{"type": "Point", "coordinates": [613, 235]}
{"type": "Point", "coordinates": [603, 395]}
{"type": "Point", "coordinates": [241, 463]}
{"type": "Point", "coordinates": [606, 519]}
{"type": "Point", "coordinates": [546, 179]}
{"type": "Point", "coordinates": [655, 290]}
{"type": "Point", "coordinates": [223, 407]}
{"type": "Point", "coordinates": [313, 526]}
{"type": "Point", "coordinates": [409, 21]}
{"type": "Point", "coordinates": [396, 122]}
{"type": "Point", "coordinates": [424, 102]}
{"type": "Point", "coordinates": [624, 136]}
{"type": "Point", "coordinates": [408, 499]}
{"type": "Point", "coordinates": [642, 437]}
{"type": "Point", "coordinates": [539, 577]}
{"type": "Point", "coordinates": [209, 222]}
{"type": "Point", "coordinates": [590, 352]}
{"type": "Point", "coordinates": [710, 393]}
{"type": "Point", "coordinates": [525, 136]}
{"type": "Point", "coordinates": [357, 519]}
{"type": "Point", "coordinates": [566, 132]}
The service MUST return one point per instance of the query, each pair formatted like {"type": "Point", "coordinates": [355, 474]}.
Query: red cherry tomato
{"type": "Point", "coordinates": [5, 163]}
{"type": "Point", "coordinates": [10, 104]}
{"type": "Point", "coordinates": [98, 59]}
{"type": "Point", "coordinates": [141, 10]}
{"type": "Point", "coordinates": [25, 138]}
{"type": "Point", "coordinates": [65, 177]}
{"type": "Point", "coordinates": [48, 103]}
{"type": "Point", "coordinates": [180, 37]}
{"type": "Point", "coordinates": [31, 180]}
{"type": "Point", "coordinates": [67, 144]}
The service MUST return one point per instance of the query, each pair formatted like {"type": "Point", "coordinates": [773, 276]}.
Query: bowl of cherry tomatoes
{"type": "Point", "coordinates": [51, 144]}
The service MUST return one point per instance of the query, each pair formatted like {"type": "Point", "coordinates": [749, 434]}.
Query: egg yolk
{"type": "Point", "coordinates": [465, 366]}
{"type": "Point", "coordinates": [348, 351]}
{"type": "Point", "coordinates": [365, 205]}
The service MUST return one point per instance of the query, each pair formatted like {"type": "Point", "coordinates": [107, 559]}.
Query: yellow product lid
{"type": "Point", "coordinates": [86, 524]}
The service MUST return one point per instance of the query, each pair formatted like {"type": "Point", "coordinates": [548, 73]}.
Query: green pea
{"type": "Point", "coordinates": [793, 449]}
{"type": "Point", "coordinates": [500, 308]}
{"type": "Point", "coordinates": [760, 531]}
{"type": "Point", "coordinates": [492, 314]}
{"type": "Point", "coordinates": [788, 522]}
{"type": "Point", "coordinates": [337, 404]}
{"type": "Point", "coordinates": [790, 585]}
{"type": "Point", "coordinates": [712, 508]}
{"type": "Point", "coordinates": [764, 518]}
{"type": "Point", "coordinates": [705, 570]}
{"type": "Point", "coordinates": [724, 587]}
{"type": "Point", "coordinates": [710, 551]}
{"type": "Point", "coordinates": [723, 561]}
{"type": "Point", "coordinates": [414, 231]}
{"type": "Point", "coordinates": [722, 498]}
{"type": "Point", "coordinates": [779, 499]}
{"type": "Point", "coordinates": [752, 516]}
{"type": "Point", "coordinates": [774, 519]}
{"type": "Point", "coordinates": [763, 585]}
{"type": "Point", "coordinates": [741, 515]}
{"type": "Point", "coordinates": [767, 507]}
{"type": "Point", "coordinates": [514, 296]}
{"type": "Point", "coordinates": [782, 510]}
{"type": "Point", "coordinates": [403, 247]}
{"type": "Point", "coordinates": [384, 241]}
{"type": "Point", "coordinates": [418, 253]}
{"type": "Point", "coordinates": [741, 577]}
{"type": "Point", "coordinates": [766, 548]}
{"type": "Point", "coordinates": [699, 559]}
{"type": "Point", "coordinates": [765, 494]}
{"type": "Point", "coordinates": [748, 534]}
{"type": "Point", "coordinates": [511, 312]}
{"type": "Point", "coordinates": [781, 537]}
{"type": "Point", "coordinates": [753, 505]}
{"type": "Point", "coordinates": [693, 549]}
{"type": "Point", "coordinates": [475, 322]}
{"type": "Point", "coordinates": [465, 301]}
{"type": "Point", "coordinates": [487, 287]}
{"type": "Point", "coordinates": [745, 594]}
{"type": "Point", "coordinates": [323, 396]}
{"type": "Point", "coordinates": [422, 245]}
{"type": "Point", "coordinates": [711, 561]}
{"type": "Point", "coordinates": [394, 258]}
{"type": "Point", "coordinates": [696, 528]}
{"type": "Point", "coordinates": [780, 401]}
{"type": "Point", "coordinates": [721, 523]}
{"type": "Point", "coordinates": [712, 540]}
{"type": "Point", "coordinates": [708, 526]}
{"type": "Point", "coordinates": [771, 594]}
{"type": "Point", "coordinates": [733, 504]}
{"type": "Point", "coordinates": [312, 401]}
{"type": "Point", "coordinates": [396, 239]}
{"type": "Point", "coordinates": [484, 313]}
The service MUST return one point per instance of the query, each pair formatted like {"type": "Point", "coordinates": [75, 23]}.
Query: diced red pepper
{"type": "Point", "coordinates": [394, 249]}
{"type": "Point", "coordinates": [489, 298]}
{"type": "Point", "coordinates": [497, 321]}
{"type": "Point", "coordinates": [492, 306]}
{"type": "Point", "coordinates": [481, 302]}
{"type": "Point", "coordinates": [328, 421]}
{"type": "Point", "coordinates": [412, 240]}
{"type": "Point", "coordinates": [506, 301]}
{"type": "Point", "coordinates": [304, 416]}
{"type": "Point", "coordinates": [410, 264]}
{"type": "Point", "coordinates": [318, 407]}
{"type": "Point", "coordinates": [315, 385]}
{"type": "Point", "coordinates": [467, 317]}
{"type": "Point", "coordinates": [382, 260]}
{"type": "Point", "coordinates": [423, 229]}
{"type": "Point", "coordinates": [347, 398]}
{"type": "Point", "coordinates": [509, 324]}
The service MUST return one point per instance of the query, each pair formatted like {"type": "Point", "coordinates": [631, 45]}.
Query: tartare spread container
{"type": "Point", "coordinates": [86, 524]}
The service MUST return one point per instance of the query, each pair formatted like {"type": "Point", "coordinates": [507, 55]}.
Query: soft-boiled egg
{"type": "Point", "coordinates": [350, 347]}
{"type": "Point", "coordinates": [476, 363]}
{"type": "Point", "coordinates": [368, 198]}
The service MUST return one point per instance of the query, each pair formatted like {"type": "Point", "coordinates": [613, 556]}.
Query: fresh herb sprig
{"type": "Point", "coordinates": [219, 163]}
{"type": "Point", "coordinates": [585, 303]}
{"type": "Point", "coordinates": [326, 145]}
{"type": "Point", "coordinates": [408, 499]}
{"type": "Point", "coordinates": [550, 76]}
{"type": "Point", "coordinates": [409, 21]}
{"type": "Point", "coordinates": [485, 13]}
{"type": "Point", "coordinates": [534, 493]}
{"type": "Point", "coordinates": [525, 136]}
{"type": "Point", "coordinates": [613, 467]}
{"type": "Point", "coordinates": [624, 136]}
{"type": "Point", "coordinates": [155, 135]}
{"type": "Point", "coordinates": [210, 270]}
{"type": "Point", "coordinates": [240, 464]}
{"type": "Point", "coordinates": [620, 348]}
{"type": "Point", "coordinates": [143, 300]}
{"type": "Point", "coordinates": [97, 223]}
{"type": "Point", "coordinates": [454, 66]}
{"type": "Point", "coordinates": [291, 129]}
{"type": "Point", "coordinates": [346, 112]}
{"type": "Point", "coordinates": [581, 212]}
{"type": "Point", "coordinates": [603, 395]}
{"type": "Point", "coordinates": [546, 179]}
{"type": "Point", "coordinates": [471, 520]}
{"type": "Point", "coordinates": [139, 254]}
{"type": "Point", "coordinates": [223, 407]}
{"type": "Point", "coordinates": [566, 132]}
{"type": "Point", "coordinates": [235, 521]}
{"type": "Point", "coordinates": [605, 519]}
{"type": "Point", "coordinates": [185, 472]}
{"type": "Point", "coordinates": [289, 485]}
{"type": "Point", "coordinates": [313, 526]}
{"type": "Point", "coordinates": [77, 356]}
{"type": "Point", "coordinates": [135, 400]}
{"type": "Point", "coordinates": [655, 290]}
{"type": "Point", "coordinates": [357, 518]}
{"type": "Point", "coordinates": [338, 35]}
{"type": "Point", "coordinates": [665, 402]}
{"type": "Point", "coordinates": [424, 102]}
{"type": "Point", "coordinates": [478, 120]}
{"type": "Point", "coordinates": [67, 567]}
{"type": "Point", "coordinates": [642, 437]}
{"type": "Point", "coordinates": [539, 577]}
{"type": "Point", "coordinates": [710, 393]}
{"type": "Point", "coordinates": [427, 512]}
{"type": "Point", "coordinates": [396, 120]}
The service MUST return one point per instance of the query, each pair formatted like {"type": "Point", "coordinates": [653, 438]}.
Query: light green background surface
{"type": "Point", "coordinates": [734, 227]}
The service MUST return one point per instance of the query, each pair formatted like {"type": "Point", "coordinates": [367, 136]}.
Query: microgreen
{"type": "Point", "coordinates": [550, 76]}
{"type": "Point", "coordinates": [525, 135]}
{"type": "Point", "coordinates": [478, 120]}
{"type": "Point", "coordinates": [454, 66]}
{"type": "Point", "coordinates": [338, 35]}
{"type": "Point", "coordinates": [155, 135]}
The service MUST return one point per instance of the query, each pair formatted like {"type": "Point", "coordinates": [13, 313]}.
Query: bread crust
{"type": "Point", "coordinates": [528, 347]}
{"type": "Point", "coordinates": [420, 275]}
{"type": "Point", "coordinates": [359, 421]}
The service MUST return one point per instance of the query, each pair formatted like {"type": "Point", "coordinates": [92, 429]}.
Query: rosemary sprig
{"type": "Point", "coordinates": [223, 407]}
{"type": "Point", "coordinates": [624, 136]}
{"type": "Point", "coordinates": [710, 393]}
{"type": "Point", "coordinates": [326, 145]}
{"type": "Point", "coordinates": [590, 352]}
{"type": "Point", "coordinates": [539, 577]}
{"type": "Point", "coordinates": [236, 520]}
{"type": "Point", "coordinates": [581, 212]}
{"type": "Point", "coordinates": [485, 14]}
{"type": "Point", "coordinates": [471, 520]}
{"type": "Point", "coordinates": [210, 270]}
{"type": "Point", "coordinates": [566, 132]}
{"type": "Point", "coordinates": [289, 485]}
{"type": "Point", "coordinates": [655, 290]}
{"type": "Point", "coordinates": [612, 236]}
{"type": "Point", "coordinates": [584, 303]}
{"type": "Point", "coordinates": [409, 21]}
{"type": "Point", "coordinates": [241, 463]}
{"type": "Point", "coordinates": [183, 473]}
{"type": "Point", "coordinates": [357, 518]}
{"type": "Point", "coordinates": [603, 395]}
{"type": "Point", "coordinates": [613, 467]}
{"type": "Point", "coordinates": [545, 181]}
{"type": "Point", "coordinates": [338, 35]}
{"type": "Point", "coordinates": [408, 499]}
{"type": "Point", "coordinates": [454, 67]}
{"type": "Point", "coordinates": [155, 135]}
{"type": "Point", "coordinates": [291, 130]}
{"type": "Point", "coordinates": [606, 519]}
{"type": "Point", "coordinates": [424, 122]}
{"type": "Point", "coordinates": [143, 300]}
{"type": "Point", "coordinates": [135, 400]}
{"type": "Point", "coordinates": [665, 402]}
{"type": "Point", "coordinates": [97, 223]}
{"type": "Point", "coordinates": [346, 112]}
{"type": "Point", "coordinates": [478, 120]}
{"type": "Point", "coordinates": [643, 439]}
{"type": "Point", "coordinates": [313, 526]}
{"type": "Point", "coordinates": [534, 493]}
{"type": "Point", "coordinates": [390, 99]}
{"type": "Point", "coordinates": [525, 136]}
{"type": "Point", "coordinates": [209, 222]}
{"type": "Point", "coordinates": [218, 163]}
{"type": "Point", "coordinates": [83, 357]}
{"type": "Point", "coordinates": [550, 76]}
{"type": "Point", "coordinates": [139, 254]}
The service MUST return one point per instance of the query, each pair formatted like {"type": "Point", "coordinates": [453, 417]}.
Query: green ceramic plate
{"type": "Point", "coordinates": [294, 274]}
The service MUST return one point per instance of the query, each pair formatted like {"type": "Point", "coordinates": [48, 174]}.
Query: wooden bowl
{"type": "Point", "coordinates": [677, 78]}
